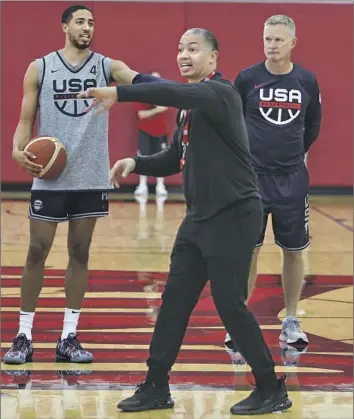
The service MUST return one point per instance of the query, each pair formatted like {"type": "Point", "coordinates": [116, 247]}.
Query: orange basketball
{"type": "Point", "coordinates": [50, 153]}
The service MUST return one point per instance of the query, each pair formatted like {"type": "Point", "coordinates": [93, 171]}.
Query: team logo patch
{"type": "Point", "coordinates": [37, 205]}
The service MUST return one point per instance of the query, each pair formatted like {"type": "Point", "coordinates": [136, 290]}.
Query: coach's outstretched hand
{"type": "Point", "coordinates": [103, 98]}
{"type": "Point", "coordinates": [122, 168]}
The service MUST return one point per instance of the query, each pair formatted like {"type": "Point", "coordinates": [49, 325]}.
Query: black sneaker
{"type": "Point", "coordinates": [257, 403]}
{"type": "Point", "coordinates": [70, 350]}
{"type": "Point", "coordinates": [147, 397]}
{"type": "Point", "coordinates": [20, 352]}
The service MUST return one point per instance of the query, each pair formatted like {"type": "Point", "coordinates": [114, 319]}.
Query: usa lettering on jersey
{"type": "Point", "coordinates": [65, 95]}
{"type": "Point", "coordinates": [280, 106]}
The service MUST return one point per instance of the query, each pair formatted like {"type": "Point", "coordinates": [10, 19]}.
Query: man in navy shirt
{"type": "Point", "coordinates": [282, 108]}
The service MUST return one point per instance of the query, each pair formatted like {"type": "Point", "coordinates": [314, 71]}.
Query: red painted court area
{"type": "Point", "coordinates": [117, 321]}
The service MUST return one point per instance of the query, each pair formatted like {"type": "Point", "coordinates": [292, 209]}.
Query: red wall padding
{"type": "Point", "coordinates": [145, 36]}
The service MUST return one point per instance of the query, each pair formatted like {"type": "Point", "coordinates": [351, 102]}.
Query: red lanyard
{"type": "Point", "coordinates": [186, 114]}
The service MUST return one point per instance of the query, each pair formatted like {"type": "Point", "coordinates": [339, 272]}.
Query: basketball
{"type": "Point", "coordinates": [50, 153]}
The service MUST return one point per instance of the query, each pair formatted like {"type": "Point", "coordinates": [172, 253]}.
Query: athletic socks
{"type": "Point", "coordinates": [26, 324]}
{"type": "Point", "coordinates": [71, 319]}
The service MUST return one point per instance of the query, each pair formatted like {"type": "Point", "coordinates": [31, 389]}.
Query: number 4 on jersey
{"type": "Point", "coordinates": [93, 70]}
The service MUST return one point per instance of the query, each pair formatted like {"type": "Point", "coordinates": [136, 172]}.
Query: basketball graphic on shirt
{"type": "Point", "coordinates": [280, 106]}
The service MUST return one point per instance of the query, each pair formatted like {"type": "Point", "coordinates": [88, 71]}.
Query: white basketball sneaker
{"type": "Point", "coordinates": [141, 190]}
{"type": "Point", "coordinates": [161, 190]}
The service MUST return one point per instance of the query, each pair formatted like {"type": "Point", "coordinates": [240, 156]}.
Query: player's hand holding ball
{"type": "Point", "coordinates": [44, 157]}
{"type": "Point", "coordinates": [25, 160]}
{"type": "Point", "coordinates": [122, 168]}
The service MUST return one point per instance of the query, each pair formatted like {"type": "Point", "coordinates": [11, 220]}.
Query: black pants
{"type": "Point", "coordinates": [220, 250]}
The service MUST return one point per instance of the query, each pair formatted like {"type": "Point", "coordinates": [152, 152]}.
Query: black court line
{"type": "Point", "coordinates": [338, 221]}
{"type": "Point", "coordinates": [331, 301]}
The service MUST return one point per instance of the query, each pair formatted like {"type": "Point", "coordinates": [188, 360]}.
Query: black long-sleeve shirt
{"type": "Point", "coordinates": [218, 170]}
{"type": "Point", "coordinates": [283, 116]}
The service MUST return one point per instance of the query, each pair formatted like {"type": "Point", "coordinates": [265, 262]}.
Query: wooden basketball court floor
{"type": "Point", "coordinates": [128, 264]}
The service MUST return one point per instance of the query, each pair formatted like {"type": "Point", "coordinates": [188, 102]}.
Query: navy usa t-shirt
{"type": "Point", "coordinates": [283, 116]}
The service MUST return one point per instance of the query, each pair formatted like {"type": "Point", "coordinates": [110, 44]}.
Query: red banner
{"type": "Point", "coordinates": [145, 36]}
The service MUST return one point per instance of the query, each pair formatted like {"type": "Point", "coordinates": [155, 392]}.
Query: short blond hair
{"type": "Point", "coordinates": [282, 20]}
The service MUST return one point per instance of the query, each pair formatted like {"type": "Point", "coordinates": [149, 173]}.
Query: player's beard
{"type": "Point", "coordinates": [80, 45]}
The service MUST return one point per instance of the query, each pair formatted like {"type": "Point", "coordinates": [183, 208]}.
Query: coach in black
{"type": "Point", "coordinates": [223, 221]}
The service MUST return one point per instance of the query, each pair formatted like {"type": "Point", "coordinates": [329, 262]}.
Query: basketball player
{"type": "Point", "coordinates": [223, 220]}
{"type": "Point", "coordinates": [281, 102]}
{"type": "Point", "coordinates": [152, 139]}
{"type": "Point", "coordinates": [79, 195]}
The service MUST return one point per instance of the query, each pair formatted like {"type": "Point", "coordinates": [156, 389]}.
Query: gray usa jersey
{"type": "Point", "coordinates": [61, 115]}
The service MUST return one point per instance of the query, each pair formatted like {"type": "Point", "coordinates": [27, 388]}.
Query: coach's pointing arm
{"type": "Point", "coordinates": [210, 97]}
